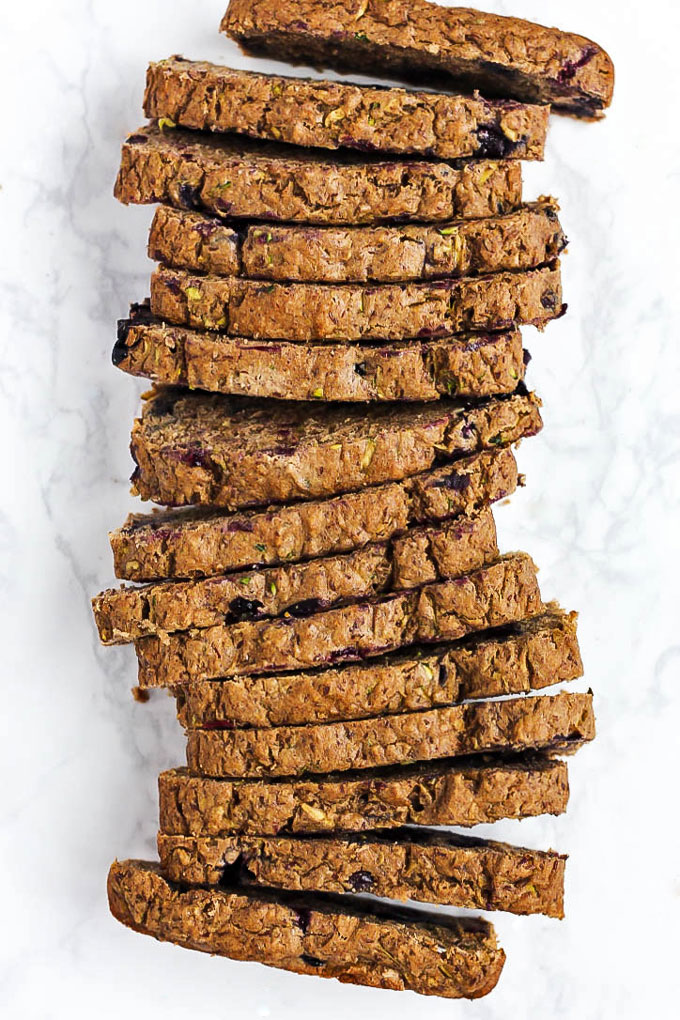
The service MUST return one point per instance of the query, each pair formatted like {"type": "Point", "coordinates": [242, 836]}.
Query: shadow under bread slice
{"type": "Point", "coordinates": [455, 47]}
{"type": "Point", "coordinates": [515, 659]}
{"type": "Point", "coordinates": [462, 792]}
{"type": "Point", "coordinates": [382, 311]}
{"type": "Point", "coordinates": [494, 595]}
{"type": "Point", "coordinates": [204, 96]}
{"type": "Point", "coordinates": [201, 542]}
{"type": "Point", "coordinates": [235, 452]}
{"type": "Point", "coordinates": [475, 366]}
{"type": "Point", "coordinates": [264, 181]}
{"type": "Point", "coordinates": [557, 724]}
{"type": "Point", "coordinates": [328, 936]}
{"type": "Point", "coordinates": [419, 556]}
{"type": "Point", "coordinates": [522, 239]}
{"type": "Point", "coordinates": [426, 865]}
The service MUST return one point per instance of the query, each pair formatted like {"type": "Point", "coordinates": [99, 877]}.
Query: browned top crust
{"type": "Point", "coordinates": [384, 947]}
{"type": "Point", "coordinates": [426, 865]}
{"type": "Point", "coordinates": [519, 658]}
{"type": "Point", "coordinates": [240, 178]}
{"type": "Point", "coordinates": [464, 792]}
{"type": "Point", "coordinates": [334, 115]}
{"type": "Point", "coordinates": [384, 311]}
{"type": "Point", "coordinates": [522, 239]}
{"type": "Point", "coordinates": [193, 448]}
{"type": "Point", "coordinates": [421, 555]}
{"type": "Point", "coordinates": [559, 723]}
{"type": "Point", "coordinates": [492, 596]}
{"type": "Point", "coordinates": [203, 543]}
{"type": "Point", "coordinates": [481, 365]}
{"type": "Point", "coordinates": [422, 41]}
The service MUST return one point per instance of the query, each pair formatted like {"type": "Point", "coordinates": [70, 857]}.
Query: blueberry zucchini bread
{"type": "Point", "coordinates": [481, 365]}
{"type": "Point", "coordinates": [338, 115]}
{"type": "Point", "coordinates": [205, 543]}
{"type": "Point", "coordinates": [264, 181]}
{"type": "Point", "coordinates": [380, 946]}
{"type": "Point", "coordinates": [386, 311]}
{"type": "Point", "coordinates": [494, 595]}
{"type": "Point", "coordinates": [419, 556]}
{"type": "Point", "coordinates": [426, 865]}
{"type": "Point", "coordinates": [420, 41]}
{"type": "Point", "coordinates": [465, 792]}
{"type": "Point", "coordinates": [515, 659]}
{"type": "Point", "coordinates": [559, 723]}
{"type": "Point", "coordinates": [523, 239]}
{"type": "Point", "coordinates": [193, 448]}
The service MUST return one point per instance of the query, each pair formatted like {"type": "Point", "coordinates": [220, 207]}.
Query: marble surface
{"type": "Point", "coordinates": [599, 514]}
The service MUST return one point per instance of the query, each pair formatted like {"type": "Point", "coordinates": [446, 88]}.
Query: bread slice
{"type": "Point", "coordinates": [419, 556]}
{"type": "Point", "coordinates": [205, 543]}
{"type": "Point", "coordinates": [456, 47]}
{"type": "Point", "coordinates": [193, 448]}
{"type": "Point", "coordinates": [503, 592]}
{"type": "Point", "coordinates": [426, 865]}
{"type": "Point", "coordinates": [384, 947]}
{"type": "Point", "coordinates": [253, 180]}
{"type": "Point", "coordinates": [476, 366]}
{"type": "Point", "coordinates": [558, 723]}
{"type": "Point", "coordinates": [339, 115]}
{"type": "Point", "coordinates": [463, 792]}
{"type": "Point", "coordinates": [512, 660]}
{"type": "Point", "coordinates": [351, 312]}
{"type": "Point", "coordinates": [523, 239]}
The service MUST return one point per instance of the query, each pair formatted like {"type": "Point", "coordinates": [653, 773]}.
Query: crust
{"type": "Point", "coordinates": [465, 48]}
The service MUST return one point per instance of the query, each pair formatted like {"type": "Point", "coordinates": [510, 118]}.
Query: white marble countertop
{"type": "Point", "coordinates": [599, 514]}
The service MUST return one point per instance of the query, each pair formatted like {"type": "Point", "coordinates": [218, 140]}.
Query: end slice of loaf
{"type": "Point", "coordinates": [449, 46]}
{"type": "Point", "coordinates": [384, 947]}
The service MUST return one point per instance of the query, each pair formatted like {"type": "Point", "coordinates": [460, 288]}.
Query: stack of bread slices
{"type": "Point", "coordinates": [333, 338]}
